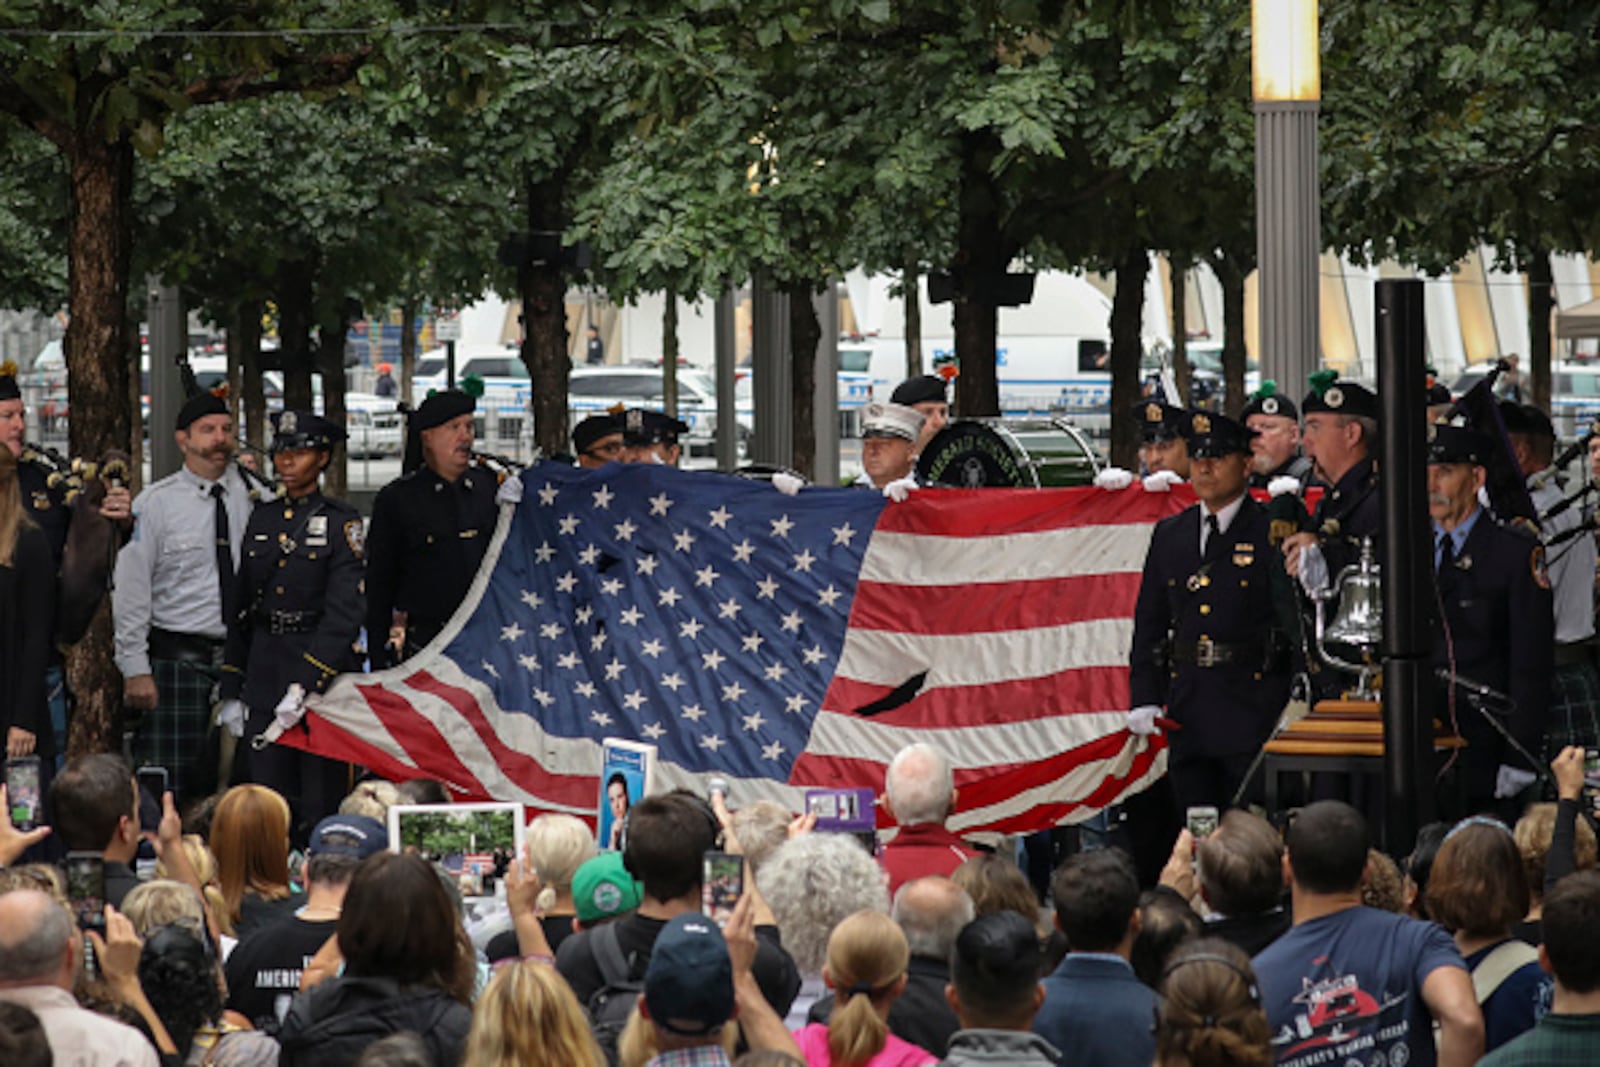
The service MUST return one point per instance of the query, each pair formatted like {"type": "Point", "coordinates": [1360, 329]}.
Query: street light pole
{"type": "Point", "coordinates": [1286, 82]}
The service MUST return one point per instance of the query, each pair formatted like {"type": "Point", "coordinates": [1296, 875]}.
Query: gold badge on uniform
{"type": "Point", "coordinates": [1201, 423]}
{"type": "Point", "coordinates": [1152, 413]}
{"type": "Point", "coordinates": [1280, 529]}
{"type": "Point", "coordinates": [355, 535]}
{"type": "Point", "coordinates": [41, 500]}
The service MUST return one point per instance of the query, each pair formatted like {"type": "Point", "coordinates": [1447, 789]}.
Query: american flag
{"type": "Point", "coordinates": [780, 642]}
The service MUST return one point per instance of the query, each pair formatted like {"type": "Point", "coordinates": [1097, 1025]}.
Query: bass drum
{"type": "Point", "coordinates": [976, 455]}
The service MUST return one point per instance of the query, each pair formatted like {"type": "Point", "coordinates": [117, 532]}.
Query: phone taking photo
{"type": "Point", "coordinates": [22, 792]}
{"type": "Point", "coordinates": [153, 780]}
{"type": "Point", "coordinates": [721, 885]}
{"type": "Point", "coordinates": [1202, 821]}
{"type": "Point", "coordinates": [86, 889]}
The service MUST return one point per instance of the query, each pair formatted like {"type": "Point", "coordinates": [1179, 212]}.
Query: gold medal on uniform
{"type": "Point", "coordinates": [286, 544]}
{"type": "Point", "coordinates": [1195, 583]}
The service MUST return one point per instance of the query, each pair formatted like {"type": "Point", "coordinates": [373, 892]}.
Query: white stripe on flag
{"type": "Point", "coordinates": [966, 747]}
{"type": "Point", "coordinates": [1071, 787]}
{"type": "Point", "coordinates": [920, 559]}
{"type": "Point", "coordinates": [884, 657]}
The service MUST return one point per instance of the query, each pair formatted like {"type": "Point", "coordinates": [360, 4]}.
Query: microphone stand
{"type": "Point", "coordinates": [1482, 699]}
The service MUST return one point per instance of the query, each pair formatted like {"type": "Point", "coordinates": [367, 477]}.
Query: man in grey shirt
{"type": "Point", "coordinates": [173, 579]}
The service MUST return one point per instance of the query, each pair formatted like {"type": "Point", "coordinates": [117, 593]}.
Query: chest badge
{"type": "Point", "coordinates": [317, 530]}
{"type": "Point", "coordinates": [41, 500]}
{"type": "Point", "coordinates": [287, 544]}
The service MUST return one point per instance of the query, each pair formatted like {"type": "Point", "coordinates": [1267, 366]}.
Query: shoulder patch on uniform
{"type": "Point", "coordinates": [356, 536]}
{"type": "Point", "coordinates": [1541, 575]}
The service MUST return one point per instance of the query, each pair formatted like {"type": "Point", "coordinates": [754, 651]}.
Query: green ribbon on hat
{"type": "Point", "coordinates": [472, 385]}
{"type": "Point", "coordinates": [1322, 380]}
{"type": "Point", "coordinates": [1267, 388]}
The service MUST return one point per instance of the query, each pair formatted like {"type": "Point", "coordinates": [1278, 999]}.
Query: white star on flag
{"type": "Point", "coordinates": [804, 560]}
{"type": "Point", "coordinates": [672, 680]}
{"type": "Point", "coordinates": [684, 541]}
{"type": "Point", "coordinates": [712, 660]}
{"type": "Point", "coordinates": [489, 669]}
{"type": "Point", "coordinates": [659, 504]}
{"type": "Point", "coordinates": [732, 692]}
{"type": "Point", "coordinates": [614, 669]}
{"type": "Point", "coordinates": [754, 721]}
{"type": "Point", "coordinates": [600, 718]}
{"type": "Point", "coordinates": [668, 597]}
{"type": "Point", "coordinates": [652, 648]}
{"type": "Point", "coordinates": [693, 712]}
{"type": "Point", "coordinates": [568, 524]}
{"type": "Point", "coordinates": [690, 629]}
{"type": "Point", "coordinates": [584, 613]}
{"type": "Point", "coordinates": [796, 703]}
{"type": "Point", "coordinates": [569, 661]}
{"type": "Point", "coordinates": [712, 742]}
{"type": "Point", "coordinates": [586, 689]}
{"type": "Point", "coordinates": [773, 751]}
{"type": "Point", "coordinates": [532, 599]}
{"type": "Point", "coordinates": [814, 654]}
{"type": "Point", "coordinates": [653, 730]}
{"type": "Point", "coordinates": [625, 530]}
{"type": "Point", "coordinates": [730, 608]}
{"type": "Point", "coordinates": [567, 582]}
{"type": "Point", "coordinates": [589, 556]}
{"type": "Point", "coordinates": [630, 615]}
{"type": "Point", "coordinates": [743, 551]}
{"type": "Point", "coordinates": [829, 596]}
{"type": "Point", "coordinates": [544, 553]}
{"type": "Point", "coordinates": [551, 631]}
{"type": "Point", "coordinates": [781, 526]}
{"type": "Point", "coordinates": [597, 641]}
{"type": "Point", "coordinates": [511, 632]}
{"type": "Point", "coordinates": [529, 663]}
{"type": "Point", "coordinates": [544, 698]}
{"type": "Point", "coordinates": [775, 672]}
{"type": "Point", "coordinates": [634, 700]}
{"type": "Point", "coordinates": [611, 586]}
{"type": "Point", "coordinates": [705, 576]}
{"type": "Point", "coordinates": [645, 565]}
{"type": "Point", "coordinates": [548, 494]}
{"type": "Point", "coordinates": [719, 518]}
{"type": "Point", "coordinates": [752, 642]}
{"type": "Point", "coordinates": [791, 622]}
{"type": "Point", "coordinates": [603, 497]}
{"type": "Point", "coordinates": [843, 534]}
{"type": "Point", "coordinates": [767, 588]}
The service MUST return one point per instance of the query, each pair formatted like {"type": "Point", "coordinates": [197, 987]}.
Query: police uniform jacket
{"type": "Point", "coordinates": [1347, 512]}
{"type": "Point", "coordinates": [427, 539]}
{"type": "Point", "coordinates": [1232, 602]}
{"type": "Point", "coordinates": [300, 596]}
{"type": "Point", "coordinates": [1498, 630]}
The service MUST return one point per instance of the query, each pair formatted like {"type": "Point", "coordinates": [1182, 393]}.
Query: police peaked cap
{"type": "Point", "coordinates": [923, 389]}
{"type": "Point", "coordinates": [1214, 436]}
{"type": "Point", "coordinates": [1342, 398]}
{"type": "Point", "coordinates": [591, 430]}
{"type": "Point", "coordinates": [1159, 421]}
{"type": "Point", "coordinates": [198, 407]}
{"type": "Point", "coordinates": [1266, 401]}
{"type": "Point", "coordinates": [440, 408]}
{"type": "Point", "coordinates": [1458, 444]}
{"type": "Point", "coordinates": [641, 427]}
{"type": "Point", "coordinates": [293, 430]}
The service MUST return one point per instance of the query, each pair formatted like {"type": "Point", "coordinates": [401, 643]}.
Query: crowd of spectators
{"type": "Point", "coordinates": [1301, 946]}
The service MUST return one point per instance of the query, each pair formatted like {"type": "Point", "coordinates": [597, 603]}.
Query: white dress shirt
{"type": "Point", "coordinates": [1571, 565]}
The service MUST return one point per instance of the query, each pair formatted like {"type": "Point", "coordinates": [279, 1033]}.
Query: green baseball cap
{"type": "Point", "coordinates": [603, 889]}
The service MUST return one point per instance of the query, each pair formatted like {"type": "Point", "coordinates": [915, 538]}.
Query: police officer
{"type": "Point", "coordinates": [651, 437]}
{"type": "Point", "coordinates": [1339, 437]}
{"type": "Point", "coordinates": [430, 530]}
{"type": "Point", "coordinates": [598, 440]}
{"type": "Point", "coordinates": [1275, 448]}
{"type": "Point", "coordinates": [925, 394]}
{"type": "Point", "coordinates": [1570, 561]}
{"type": "Point", "coordinates": [889, 436]}
{"type": "Point", "coordinates": [1496, 626]}
{"type": "Point", "coordinates": [1210, 623]}
{"type": "Point", "coordinates": [1161, 430]}
{"type": "Point", "coordinates": [300, 601]}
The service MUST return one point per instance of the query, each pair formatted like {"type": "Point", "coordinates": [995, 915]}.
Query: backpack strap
{"type": "Point", "coordinates": [615, 971]}
{"type": "Point", "coordinates": [1506, 959]}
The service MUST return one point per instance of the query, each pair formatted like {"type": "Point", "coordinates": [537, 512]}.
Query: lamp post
{"type": "Point", "coordinates": [1286, 82]}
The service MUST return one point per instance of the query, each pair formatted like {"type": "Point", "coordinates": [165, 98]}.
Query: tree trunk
{"type": "Point", "coordinates": [1181, 371]}
{"type": "Point", "coordinates": [544, 325]}
{"type": "Point", "coordinates": [1231, 273]}
{"type": "Point", "coordinates": [1541, 300]}
{"type": "Point", "coordinates": [253, 398]}
{"type": "Point", "coordinates": [804, 334]}
{"type": "Point", "coordinates": [408, 348]}
{"type": "Point", "coordinates": [1127, 312]}
{"type": "Point", "coordinates": [99, 391]}
{"type": "Point", "coordinates": [669, 352]}
{"type": "Point", "coordinates": [295, 321]}
{"type": "Point", "coordinates": [334, 335]}
{"type": "Point", "coordinates": [911, 283]}
{"type": "Point", "coordinates": [978, 256]}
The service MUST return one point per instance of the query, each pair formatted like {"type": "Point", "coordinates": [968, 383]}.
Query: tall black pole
{"type": "Point", "coordinates": [1407, 563]}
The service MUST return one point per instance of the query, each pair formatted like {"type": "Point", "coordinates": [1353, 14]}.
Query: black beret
{"type": "Point", "coordinates": [641, 427]}
{"type": "Point", "coordinates": [1342, 398]}
{"type": "Point", "coordinates": [1216, 435]}
{"type": "Point", "coordinates": [592, 429]}
{"type": "Point", "coordinates": [198, 407]}
{"type": "Point", "coordinates": [920, 390]}
{"type": "Point", "coordinates": [1159, 421]}
{"type": "Point", "coordinates": [8, 388]}
{"type": "Point", "coordinates": [440, 408]}
{"type": "Point", "coordinates": [1458, 444]}
{"type": "Point", "coordinates": [303, 429]}
{"type": "Point", "coordinates": [1266, 401]}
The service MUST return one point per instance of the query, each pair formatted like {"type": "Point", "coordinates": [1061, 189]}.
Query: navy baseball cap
{"type": "Point", "coordinates": [356, 836]}
{"type": "Point", "coordinates": [689, 983]}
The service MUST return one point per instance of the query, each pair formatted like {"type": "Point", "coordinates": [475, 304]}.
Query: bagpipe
{"type": "Point", "coordinates": [93, 541]}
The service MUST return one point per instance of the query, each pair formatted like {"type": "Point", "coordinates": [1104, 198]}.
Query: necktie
{"type": "Point", "coordinates": [1213, 539]}
{"type": "Point", "coordinates": [224, 554]}
{"type": "Point", "coordinates": [1447, 552]}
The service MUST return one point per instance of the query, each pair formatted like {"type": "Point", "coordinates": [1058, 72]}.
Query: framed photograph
{"type": "Point", "coordinates": [627, 773]}
{"type": "Point", "coordinates": [475, 843]}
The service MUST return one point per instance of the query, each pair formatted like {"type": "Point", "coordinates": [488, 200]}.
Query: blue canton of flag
{"type": "Point", "coordinates": [701, 614]}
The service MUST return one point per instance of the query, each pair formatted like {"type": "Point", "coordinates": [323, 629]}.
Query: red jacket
{"type": "Point", "coordinates": [922, 850]}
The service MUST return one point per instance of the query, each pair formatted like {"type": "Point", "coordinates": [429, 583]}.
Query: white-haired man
{"type": "Point", "coordinates": [920, 793]}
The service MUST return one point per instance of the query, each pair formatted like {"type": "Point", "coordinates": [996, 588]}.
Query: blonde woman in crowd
{"type": "Point", "coordinates": [866, 970]}
{"type": "Point", "coordinates": [529, 1015]}
{"type": "Point", "coordinates": [250, 839]}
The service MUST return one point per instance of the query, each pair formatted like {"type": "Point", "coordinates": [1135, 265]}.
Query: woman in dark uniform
{"type": "Point", "coordinates": [301, 605]}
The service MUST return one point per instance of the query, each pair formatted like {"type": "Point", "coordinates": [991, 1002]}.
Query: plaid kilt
{"type": "Point", "coordinates": [1574, 708]}
{"type": "Point", "coordinates": [174, 735]}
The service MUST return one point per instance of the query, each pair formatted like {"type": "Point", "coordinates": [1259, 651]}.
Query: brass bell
{"type": "Point", "coordinates": [1359, 621]}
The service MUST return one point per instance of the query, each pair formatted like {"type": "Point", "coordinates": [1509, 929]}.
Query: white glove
{"type": "Point", "coordinates": [231, 717]}
{"type": "Point", "coordinates": [1142, 721]}
{"type": "Point", "coordinates": [1113, 478]}
{"type": "Point", "coordinates": [288, 711]}
{"type": "Point", "coordinates": [1313, 570]}
{"type": "Point", "coordinates": [1509, 781]}
{"type": "Point", "coordinates": [900, 488]}
{"type": "Point", "coordinates": [1162, 481]}
{"type": "Point", "coordinates": [1283, 484]}
{"type": "Point", "coordinates": [787, 484]}
{"type": "Point", "coordinates": [510, 491]}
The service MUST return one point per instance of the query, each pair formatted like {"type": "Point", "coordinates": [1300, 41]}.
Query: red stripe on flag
{"type": "Point", "coordinates": [957, 512]}
{"type": "Point", "coordinates": [525, 770]}
{"type": "Point", "coordinates": [417, 735]}
{"type": "Point", "coordinates": [1079, 690]}
{"type": "Point", "coordinates": [989, 607]}
{"type": "Point", "coordinates": [336, 742]}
